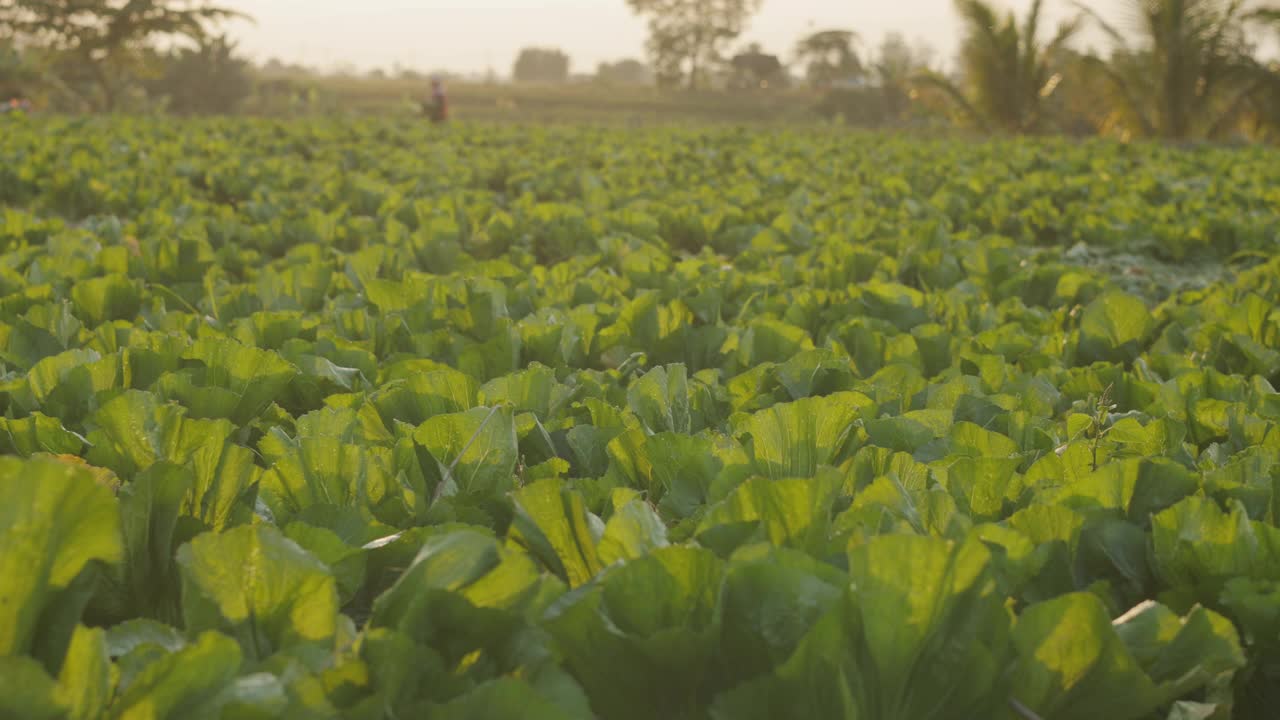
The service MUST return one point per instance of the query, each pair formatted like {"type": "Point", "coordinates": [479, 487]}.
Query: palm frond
{"type": "Point", "coordinates": [952, 93]}
{"type": "Point", "coordinates": [1265, 16]}
{"type": "Point", "coordinates": [1113, 32]}
{"type": "Point", "coordinates": [1131, 107]}
{"type": "Point", "coordinates": [1067, 31]}
{"type": "Point", "coordinates": [1254, 79]}
{"type": "Point", "coordinates": [1031, 26]}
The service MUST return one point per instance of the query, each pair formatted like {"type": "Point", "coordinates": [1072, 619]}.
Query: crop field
{"type": "Point", "coordinates": [370, 419]}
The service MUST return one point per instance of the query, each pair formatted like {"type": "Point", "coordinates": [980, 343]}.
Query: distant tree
{"type": "Point", "coordinates": [403, 72]}
{"type": "Point", "coordinates": [344, 69]}
{"type": "Point", "coordinates": [1007, 70]}
{"type": "Point", "coordinates": [204, 80]}
{"type": "Point", "coordinates": [541, 65]}
{"type": "Point", "coordinates": [446, 75]}
{"type": "Point", "coordinates": [897, 60]}
{"type": "Point", "coordinates": [1184, 69]}
{"type": "Point", "coordinates": [100, 43]}
{"type": "Point", "coordinates": [896, 64]}
{"type": "Point", "coordinates": [275, 66]}
{"type": "Point", "coordinates": [17, 73]}
{"type": "Point", "coordinates": [623, 72]}
{"type": "Point", "coordinates": [829, 56]}
{"type": "Point", "coordinates": [753, 68]}
{"type": "Point", "coordinates": [688, 38]}
{"type": "Point", "coordinates": [1261, 118]}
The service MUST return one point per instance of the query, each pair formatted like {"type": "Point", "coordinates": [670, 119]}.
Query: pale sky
{"type": "Point", "coordinates": [473, 35]}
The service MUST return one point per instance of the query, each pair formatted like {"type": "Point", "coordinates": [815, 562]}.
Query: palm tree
{"type": "Point", "coordinates": [1191, 73]}
{"type": "Point", "coordinates": [1007, 73]}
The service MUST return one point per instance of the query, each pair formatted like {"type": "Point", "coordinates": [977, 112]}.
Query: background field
{"type": "Point", "coordinates": [566, 103]}
{"type": "Point", "coordinates": [368, 418]}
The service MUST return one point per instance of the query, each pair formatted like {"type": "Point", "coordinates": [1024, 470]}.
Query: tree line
{"type": "Point", "coordinates": [1172, 69]}
{"type": "Point", "coordinates": [99, 54]}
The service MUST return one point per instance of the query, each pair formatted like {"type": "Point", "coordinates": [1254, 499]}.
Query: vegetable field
{"type": "Point", "coordinates": [356, 419]}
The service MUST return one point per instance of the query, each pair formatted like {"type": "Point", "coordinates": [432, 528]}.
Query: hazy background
{"type": "Point", "coordinates": [473, 36]}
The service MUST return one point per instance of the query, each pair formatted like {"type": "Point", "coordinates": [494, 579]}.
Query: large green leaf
{"type": "Point", "coordinates": [225, 475]}
{"type": "Point", "coordinates": [815, 372]}
{"type": "Point", "coordinates": [660, 398]}
{"type": "Point", "coordinates": [326, 471]}
{"type": "Point", "coordinates": [474, 452]}
{"type": "Point", "coordinates": [645, 324]}
{"type": "Point", "coordinates": [1198, 547]}
{"type": "Point", "coordinates": [553, 524]}
{"type": "Point", "coordinates": [1113, 327]}
{"type": "Point", "coordinates": [910, 432]}
{"type": "Point", "coordinates": [794, 439]}
{"type": "Point", "coordinates": [150, 508]}
{"type": "Point", "coordinates": [188, 683]}
{"type": "Point", "coordinates": [901, 305]}
{"type": "Point", "coordinates": [462, 592]}
{"type": "Point", "coordinates": [933, 627]}
{"type": "Point", "coordinates": [423, 395]}
{"type": "Point", "coordinates": [347, 560]}
{"type": "Point", "coordinates": [27, 691]}
{"type": "Point", "coordinates": [633, 530]}
{"type": "Point", "coordinates": [45, 330]}
{"type": "Point", "coordinates": [983, 487]}
{"type": "Point", "coordinates": [1077, 664]}
{"type": "Point", "coordinates": [55, 520]}
{"type": "Point", "coordinates": [533, 390]}
{"type": "Point", "coordinates": [259, 587]}
{"type": "Point", "coordinates": [676, 471]}
{"type": "Point", "coordinates": [920, 633]}
{"type": "Point", "coordinates": [134, 430]}
{"type": "Point", "coordinates": [771, 599]}
{"type": "Point", "coordinates": [86, 681]}
{"type": "Point", "coordinates": [114, 297]}
{"type": "Point", "coordinates": [66, 386]}
{"type": "Point", "coordinates": [811, 683]}
{"type": "Point", "coordinates": [771, 341]}
{"type": "Point", "coordinates": [794, 512]}
{"type": "Point", "coordinates": [640, 641]}
{"type": "Point", "coordinates": [37, 433]}
{"type": "Point", "coordinates": [225, 379]}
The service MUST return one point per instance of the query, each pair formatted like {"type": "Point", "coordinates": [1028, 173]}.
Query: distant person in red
{"type": "Point", "coordinates": [438, 108]}
{"type": "Point", "coordinates": [15, 105]}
